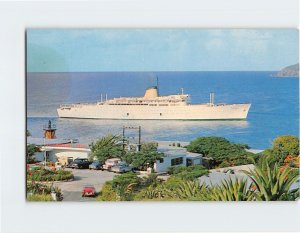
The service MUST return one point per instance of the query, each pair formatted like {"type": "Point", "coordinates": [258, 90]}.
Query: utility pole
{"type": "Point", "coordinates": [123, 141]}
{"type": "Point", "coordinates": [139, 128]}
{"type": "Point", "coordinates": [139, 145]}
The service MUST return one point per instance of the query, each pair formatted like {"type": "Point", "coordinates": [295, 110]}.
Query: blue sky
{"type": "Point", "coordinates": [83, 50]}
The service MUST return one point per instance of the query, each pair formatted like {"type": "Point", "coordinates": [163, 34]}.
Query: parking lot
{"type": "Point", "coordinates": [72, 189]}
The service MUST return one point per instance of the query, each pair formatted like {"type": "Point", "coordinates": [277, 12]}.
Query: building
{"type": "Point", "coordinates": [59, 150]}
{"type": "Point", "coordinates": [177, 158]}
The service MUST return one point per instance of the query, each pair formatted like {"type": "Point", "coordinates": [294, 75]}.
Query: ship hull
{"type": "Point", "coordinates": [146, 112]}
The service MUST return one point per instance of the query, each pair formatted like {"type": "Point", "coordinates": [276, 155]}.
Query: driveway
{"type": "Point", "coordinates": [72, 189]}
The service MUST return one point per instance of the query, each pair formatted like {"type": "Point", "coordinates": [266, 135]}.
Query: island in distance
{"type": "Point", "coordinates": [289, 71]}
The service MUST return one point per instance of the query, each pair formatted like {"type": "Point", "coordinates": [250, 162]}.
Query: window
{"type": "Point", "coordinates": [160, 114]}
{"type": "Point", "coordinates": [176, 161]}
{"type": "Point", "coordinates": [127, 114]}
{"type": "Point", "coordinates": [161, 160]}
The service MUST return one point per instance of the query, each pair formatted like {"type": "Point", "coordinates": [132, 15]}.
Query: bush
{"type": "Point", "coordinates": [37, 188]}
{"type": "Point", "coordinates": [125, 185]}
{"type": "Point", "coordinates": [43, 189]}
{"type": "Point", "coordinates": [188, 173]}
{"type": "Point", "coordinates": [39, 197]}
{"type": "Point", "coordinates": [107, 193]}
{"type": "Point", "coordinates": [220, 149]}
{"type": "Point", "coordinates": [143, 159]}
{"type": "Point", "coordinates": [48, 175]}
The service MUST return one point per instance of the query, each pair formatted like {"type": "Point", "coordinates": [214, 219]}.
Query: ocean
{"type": "Point", "coordinates": [274, 110]}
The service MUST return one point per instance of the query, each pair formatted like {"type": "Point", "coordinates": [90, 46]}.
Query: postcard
{"type": "Point", "coordinates": [162, 115]}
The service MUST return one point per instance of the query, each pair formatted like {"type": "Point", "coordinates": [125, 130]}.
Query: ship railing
{"type": "Point", "coordinates": [74, 105]}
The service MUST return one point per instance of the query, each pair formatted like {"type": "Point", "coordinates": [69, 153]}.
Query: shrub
{"type": "Point", "coordinates": [125, 185]}
{"type": "Point", "coordinates": [220, 149]}
{"type": "Point", "coordinates": [39, 197]}
{"type": "Point", "coordinates": [107, 193]}
{"type": "Point", "coordinates": [143, 159]}
{"type": "Point", "coordinates": [48, 175]}
{"type": "Point", "coordinates": [188, 173]}
{"type": "Point", "coordinates": [286, 144]}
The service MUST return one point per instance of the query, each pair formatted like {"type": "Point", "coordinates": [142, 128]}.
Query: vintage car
{"type": "Point", "coordinates": [80, 163]}
{"type": "Point", "coordinates": [121, 167]}
{"type": "Point", "coordinates": [88, 191]}
{"type": "Point", "coordinates": [109, 163]}
{"type": "Point", "coordinates": [95, 165]}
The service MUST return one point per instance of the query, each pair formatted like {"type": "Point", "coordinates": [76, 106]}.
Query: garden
{"type": "Point", "coordinates": [42, 175]}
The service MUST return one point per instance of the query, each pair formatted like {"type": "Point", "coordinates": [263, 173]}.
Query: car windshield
{"type": "Point", "coordinates": [96, 162]}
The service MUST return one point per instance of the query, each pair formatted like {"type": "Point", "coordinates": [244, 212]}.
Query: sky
{"type": "Point", "coordinates": [92, 50]}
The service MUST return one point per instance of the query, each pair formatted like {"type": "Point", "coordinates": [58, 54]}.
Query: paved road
{"type": "Point", "coordinates": [72, 190]}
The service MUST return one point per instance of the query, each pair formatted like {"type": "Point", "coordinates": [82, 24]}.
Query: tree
{"type": "Point", "coordinates": [107, 147]}
{"type": "Point", "coordinates": [221, 150]}
{"type": "Point", "coordinates": [144, 158]}
{"type": "Point", "coordinates": [271, 183]}
{"type": "Point", "coordinates": [31, 150]}
{"type": "Point", "coordinates": [283, 147]}
{"type": "Point", "coordinates": [287, 144]}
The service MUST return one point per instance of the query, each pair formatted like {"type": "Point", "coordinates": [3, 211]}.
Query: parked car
{"type": "Point", "coordinates": [109, 163]}
{"type": "Point", "coordinates": [88, 191]}
{"type": "Point", "coordinates": [80, 163]}
{"type": "Point", "coordinates": [95, 165]}
{"type": "Point", "coordinates": [69, 165]}
{"type": "Point", "coordinates": [121, 168]}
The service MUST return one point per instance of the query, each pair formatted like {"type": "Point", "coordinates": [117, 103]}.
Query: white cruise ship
{"type": "Point", "coordinates": [154, 107]}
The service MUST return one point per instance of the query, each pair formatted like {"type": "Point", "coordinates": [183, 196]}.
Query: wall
{"type": "Point", "coordinates": [163, 167]}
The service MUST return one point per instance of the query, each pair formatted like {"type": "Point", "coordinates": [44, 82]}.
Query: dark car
{"type": "Point", "coordinates": [96, 165]}
{"type": "Point", "coordinates": [80, 163]}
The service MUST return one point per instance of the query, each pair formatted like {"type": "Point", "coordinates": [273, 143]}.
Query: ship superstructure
{"type": "Point", "coordinates": [151, 106]}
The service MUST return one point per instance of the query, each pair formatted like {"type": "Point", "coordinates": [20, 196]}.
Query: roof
{"type": "Point", "coordinates": [42, 141]}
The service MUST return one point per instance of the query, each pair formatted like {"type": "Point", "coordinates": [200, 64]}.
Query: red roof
{"type": "Point", "coordinates": [69, 145]}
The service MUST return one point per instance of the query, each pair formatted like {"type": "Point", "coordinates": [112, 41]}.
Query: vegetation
{"type": "Point", "coordinates": [48, 175]}
{"type": "Point", "coordinates": [39, 197]}
{"type": "Point", "coordinates": [107, 193]}
{"type": "Point", "coordinates": [107, 147]}
{"type": "Point", "coordinates": [271, 183]}
{"type": "Point", "coordinates": [267, 183]}
{"type": "Point", "coordinates": [231, 190]}
{"type": "Point", "coordinates": [285, 151]}
{"type": "Point", "coordinates": [188, 173]}
{"type": "Point", "coordinates": [145, 158]}
{"type": "Point", "coordinates": [42, 192]}
{"type": "Point", "coordinates": [30, 150]}
{"type": "Point", "coordinates": [222, 151]}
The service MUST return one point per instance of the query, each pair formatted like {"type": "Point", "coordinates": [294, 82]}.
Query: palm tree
{"type": "Point", "coordinates": [272, 183]}
{"type": "Point", "coordinates": [232, 190]}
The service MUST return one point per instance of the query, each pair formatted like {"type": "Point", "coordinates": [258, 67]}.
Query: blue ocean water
{"type": "Point", "coordinates": [274, 110]}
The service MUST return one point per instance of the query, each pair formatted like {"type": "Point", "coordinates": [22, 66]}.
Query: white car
{"type": "Point", "coordinates": [121, 168]}
{"type": "Point", "coordinates": [109, 163]}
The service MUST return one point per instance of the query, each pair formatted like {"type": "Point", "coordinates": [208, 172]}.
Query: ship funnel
{"type": "Point", "coordinates": [151, 93]}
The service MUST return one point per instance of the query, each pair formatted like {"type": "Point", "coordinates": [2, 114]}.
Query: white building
{"type": "Point", "coordinates": [62, 153]}
{"type": "Point", "coordinates": [59, 150]}
{"type": "Point", "coordinates": [176, 158]}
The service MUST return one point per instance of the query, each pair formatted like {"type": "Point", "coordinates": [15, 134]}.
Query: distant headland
{"type": "Point", "coordinates": [289, 71]}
